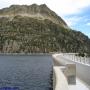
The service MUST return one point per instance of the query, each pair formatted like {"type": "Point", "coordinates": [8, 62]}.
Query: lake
{"type": "Point", "coordinates": [26, 72]}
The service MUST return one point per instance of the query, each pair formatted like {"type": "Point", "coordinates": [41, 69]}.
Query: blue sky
{"type": "Point", "coordinates": [80, 21]}
{"type": "Point", "coordinates": [76, 13]}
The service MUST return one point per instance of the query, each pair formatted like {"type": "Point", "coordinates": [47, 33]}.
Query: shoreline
{"type": "Point", "coordinates": [24, 54]}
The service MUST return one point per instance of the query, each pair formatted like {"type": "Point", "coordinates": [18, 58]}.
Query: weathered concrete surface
{"type": "Point", "coordinates": [82, 70]}
{"type": "Point", "coordinates": [79, 86]}
{"type": "Point", "coordinates": [59, 61]}
{"type": "Point", "coordinates": [69, 71]}
{"type": "Point", "coordinates": [59, 80]}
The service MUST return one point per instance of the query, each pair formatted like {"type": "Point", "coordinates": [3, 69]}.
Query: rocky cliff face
{"type": "Point", "coordinates": [35, 11]}
{"type": "Point", "coordinates": [37, 29]}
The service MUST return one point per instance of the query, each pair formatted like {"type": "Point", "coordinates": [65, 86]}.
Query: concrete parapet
{"type": "Point", "coordinates": [59, 80]}
{"type": "Point", "coordinates": [70, 73]}
{"type": "Point", "coordinates": [70, 68]}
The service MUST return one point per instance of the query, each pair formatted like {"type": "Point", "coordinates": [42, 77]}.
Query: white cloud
{"type": "Point", "coordinates": [88, 34]}
{"type": "Point", "coordinates": [62, 7]}
{"type": "Point", "coordinates": [67, 7]}
{"type": "Point", "coordinates": [88, 24]}
{"type": "Point", "coordinates": [72, 21]}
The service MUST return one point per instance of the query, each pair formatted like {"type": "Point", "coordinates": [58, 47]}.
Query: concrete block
{"type": "Point", "coordinates": [70, 73]}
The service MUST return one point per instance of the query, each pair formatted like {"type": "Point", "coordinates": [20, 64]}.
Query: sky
{"type": "Point", "coordinates": [76, 13]}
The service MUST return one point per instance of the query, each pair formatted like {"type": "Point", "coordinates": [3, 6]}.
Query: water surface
{"type": "Point", "coordinates": [26, 72]}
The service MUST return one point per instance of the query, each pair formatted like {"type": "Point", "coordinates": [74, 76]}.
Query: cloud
{"type": "Point", "coordinates": [88, 34]}
{"type": "Point", "coordinates": [87, 19]}
{"type": "Point", "coordinates": [72, 21]}
{"type": "Point", "coordinates": [67, 7]}
{"type": "Point", "coordinates": [88, 24]}
{"type": "Point", "coordinates": [61, 7]}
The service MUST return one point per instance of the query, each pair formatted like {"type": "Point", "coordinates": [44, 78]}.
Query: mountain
{"type": "Point", "coordinates": [37, 29]}
{"type": "Point", "coordinates": [36, 11]}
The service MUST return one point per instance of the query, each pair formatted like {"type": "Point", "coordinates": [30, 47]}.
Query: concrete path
{"type": "Point", "coordinates": [59, 81]}
{"type": "Point", "coordinates": [83, 71]}
{"type": "Point", "coordinates": [79, 86]}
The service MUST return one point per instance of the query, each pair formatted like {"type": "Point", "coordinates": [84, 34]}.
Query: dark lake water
{"type": "Point", "coordinates": [26, 72]}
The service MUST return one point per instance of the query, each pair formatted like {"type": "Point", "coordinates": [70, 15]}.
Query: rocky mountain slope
{"type": "Point", "coordinates": [37, 29]}
{"type": "Point", "coordinates": [40, 12]}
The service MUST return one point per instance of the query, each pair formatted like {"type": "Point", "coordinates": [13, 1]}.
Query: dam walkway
{"type": "Point", "coordinates": [76, 70]}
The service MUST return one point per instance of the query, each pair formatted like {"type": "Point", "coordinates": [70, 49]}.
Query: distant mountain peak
{"type": "Point", "coordinates": [36, 11]}
{"type": "Point", "coordinates": [43, 5]}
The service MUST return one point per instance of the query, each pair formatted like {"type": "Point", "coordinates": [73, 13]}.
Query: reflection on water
{"type": "Point", "coordinates": [26, 72]}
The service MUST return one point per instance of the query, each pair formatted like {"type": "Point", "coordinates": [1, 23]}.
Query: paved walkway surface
{"type": "Point", "coordinates": [79, 86]}
{"type": "Point", "coordinates": [82, 70]}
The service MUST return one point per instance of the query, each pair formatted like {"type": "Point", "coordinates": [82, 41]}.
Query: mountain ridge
{"type": "Point", "coordinates": [35, 11]}
{"type": "Point", "coordinates": [23, 34]}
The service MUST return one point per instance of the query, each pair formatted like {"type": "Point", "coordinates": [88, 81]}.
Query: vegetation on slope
{"type": "Point", "coordinates": [30, 35]}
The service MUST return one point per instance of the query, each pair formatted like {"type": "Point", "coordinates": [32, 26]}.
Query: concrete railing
{"type": "Point", "coordinates": [82, 67]}
{"type": "Point", "coordinates": [70, 68]}
{"type": "Point", "coordinates": [76, 58]}
{"type": "Point", "coordinates": [59, 80]}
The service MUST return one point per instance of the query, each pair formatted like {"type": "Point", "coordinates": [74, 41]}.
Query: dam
{"type": "Point", "coordinates": [71, 72]}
